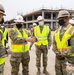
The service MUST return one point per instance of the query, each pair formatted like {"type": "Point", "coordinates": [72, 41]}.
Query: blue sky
{"type": "Point", "coordinates": [12, 7]}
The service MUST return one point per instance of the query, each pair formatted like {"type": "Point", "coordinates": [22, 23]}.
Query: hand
{"type": "Point", "coordinates": [68, 68]}
{"type": "Point", "coordinates": [29, 39]}
{"type": "Point", "coordinates": [36, 39]}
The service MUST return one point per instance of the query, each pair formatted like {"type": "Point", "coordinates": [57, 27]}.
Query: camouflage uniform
{"type": "Point", "coordinates": [20, 57]}
{"type": "Point", "coordinates": [60, 64]}
{"type": "Point", "coordinates": [5, 41]}
{"type": "Point", "coordinates": [42, 50]}
{"type": "Point", "coordinates": [2, 69]}
{"type": "Point", "coordinates": [2, 52]}
{"type": "Point", "coordinates": [71, 71]}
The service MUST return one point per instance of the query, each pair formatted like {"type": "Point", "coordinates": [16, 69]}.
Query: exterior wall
{"type": "Point", "coordinates": [49, 19]}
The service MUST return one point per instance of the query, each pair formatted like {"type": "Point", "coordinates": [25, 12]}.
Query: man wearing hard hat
{"type": "Point", "coordinates": [43, 35]}
{"type": "Point", "coordinates": [63, 43]}
{"type": "Point", "coordinates": [19, 46]}
{"type": "Point", "coordinates": [3, 52]}
{"type": "Point", "coordinates": [34, 24]}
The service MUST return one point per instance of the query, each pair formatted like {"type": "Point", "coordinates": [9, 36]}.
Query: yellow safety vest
{"type": "Point", "coordinates": [23, 47]}
{"type": "Point", "coordinates": [63, 44]}
{"type": "Point", "coordinates": [42, 37]}
{"type": "Point", "coordinates": [2, 60]}
{"type": "Point", "coordinates": [5, 34]}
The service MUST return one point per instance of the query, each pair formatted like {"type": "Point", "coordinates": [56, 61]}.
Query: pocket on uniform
{"type": "Point", "coordinates": [16, 54]}
{"type": "Point", "coordinates": [15, 57]}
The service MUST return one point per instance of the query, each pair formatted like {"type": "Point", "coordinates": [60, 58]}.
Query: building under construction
{"type": "Point", "coordinates": [49, 15]}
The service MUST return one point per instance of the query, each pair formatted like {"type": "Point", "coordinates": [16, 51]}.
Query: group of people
{"type": "Point", "coordinates": [63, 44]}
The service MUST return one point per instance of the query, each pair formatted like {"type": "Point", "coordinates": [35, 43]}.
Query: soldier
{"type": "Point", "coordinates": [5, 32]}
{"type": "Point", "coordinates": [43, 35]}
{"type": "Point", "coordinates": [19, 45]}
{"type": "Point", "coordinates": [2, 43]}
{"type": "Point", "coordinates": [63, 42]}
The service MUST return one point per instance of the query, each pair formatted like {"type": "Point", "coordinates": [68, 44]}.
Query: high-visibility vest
{"type": "Point", "coordinates": [21, 47]}
{"type": "Point", "coordinates": [5, 34]}
{"type": "Point", "coordinates": [2, 60]}
{"type": "Point", "coordinates": [62, 45]}
{"type": "Point", "coordinates": [42, 37]}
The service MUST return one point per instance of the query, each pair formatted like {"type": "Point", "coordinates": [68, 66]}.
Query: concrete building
{"type": "Point", "coordinates": [50, 17]}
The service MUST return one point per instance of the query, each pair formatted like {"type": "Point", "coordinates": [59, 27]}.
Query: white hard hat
{"type": "Point", "coordinates": [63, 13]}
{"type": "Point", "coordinates": [34, 24]}
{"type": "Point", "coordinates": [18, 18]}
{"type": "Point", "coordinates": [71, 21]}
{"type": "Point", "coordinates": [40, 18]}
{"type": "Point", "coordinates": [2, 10]}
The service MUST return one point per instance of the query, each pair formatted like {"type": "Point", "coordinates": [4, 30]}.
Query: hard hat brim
{"type": "Point", "coordinates": [3, 13]}
{"type": "Point", "coordinates": [63, 16]}
{"type": "Point", "coordinates": [18, 21]}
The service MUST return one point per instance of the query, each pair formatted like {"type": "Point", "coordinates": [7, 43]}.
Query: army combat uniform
{"type": "Point", "coordinates": [5, 32]}
{"type": "Point", "coordinates": [20, 51]}
{"type": "Point", "coordinates": [2, 60]}
{"type": "Point", "coordinates": [3, 53]}
{"type": "Point", "coordinates": [71, 71]}
{"type": "Point", "coordinates": [65, 36]}
{"type": "Point", "coordinates": [43, 34]}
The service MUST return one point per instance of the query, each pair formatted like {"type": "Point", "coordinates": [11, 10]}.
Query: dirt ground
{"type": "Point", "coordinates": [32, 64]}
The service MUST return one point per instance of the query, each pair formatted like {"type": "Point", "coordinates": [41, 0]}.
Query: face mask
{"type": "Point", "coordinates": [2, 21]}
{"type": "Point", "coordinates": [18, 26]}
{"type": "Point", "coordinates": [41, 23]}
{"type": "Point", "coordinates": [61, 22]}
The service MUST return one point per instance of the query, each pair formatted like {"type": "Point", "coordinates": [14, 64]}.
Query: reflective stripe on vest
{"type": "Point", "coordinates": [42, 37]}
{"type": "Point", "coordinates": [20, 47]}
{"type": "Point", "coordinates": [62, 45]}
{"type": "Point", "coordinates": [5, 34]}
{"type": "Point", "coordinates": [2, 60]}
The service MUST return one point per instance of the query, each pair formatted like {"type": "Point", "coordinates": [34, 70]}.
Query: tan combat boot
{"type": "Point", "coordinates": [45, 71]}
{"type": "Point", "coordinates": [38, 72]}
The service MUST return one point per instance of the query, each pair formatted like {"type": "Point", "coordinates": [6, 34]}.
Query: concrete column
{"type": "Point", "coordinates": [27, 25]}
{"type": "Point", "coordinates": [26, 19]}
{"type": "Point", "coordinates": [56, 25]}
{"type": "Point", "coordinates": [52, 25]}
{"type": "Point", "coordinates": [51, 15]}
{"type": "Point", "coordinates": [32, 17]}
{"type": "Point", "coordinates": [43, 14]}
